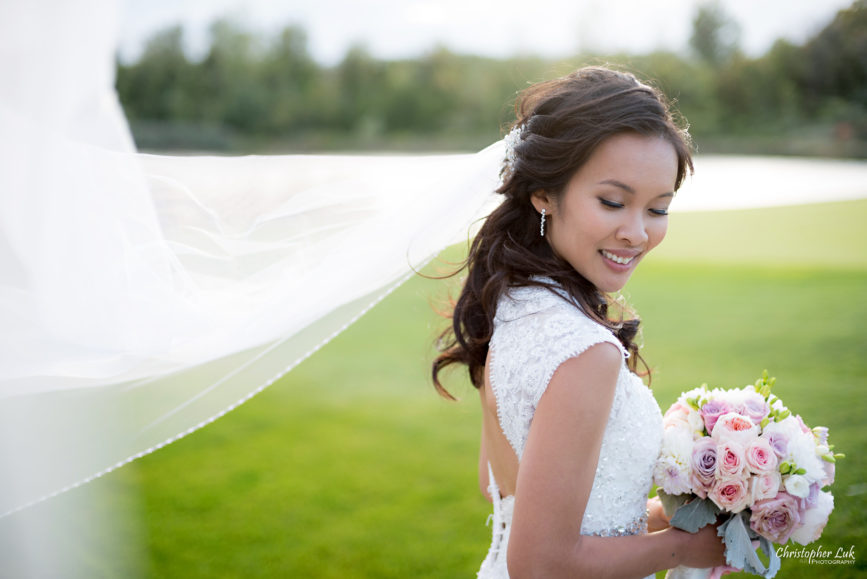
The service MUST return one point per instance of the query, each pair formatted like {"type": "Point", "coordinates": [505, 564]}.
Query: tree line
{"type": "Point", "coordinates": [256, 93]}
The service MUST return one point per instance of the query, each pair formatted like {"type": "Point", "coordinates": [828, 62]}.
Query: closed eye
{"type": "Point", "coordinates": [612, 204]}
{"type": "Point", "coordinates": [659, 211]}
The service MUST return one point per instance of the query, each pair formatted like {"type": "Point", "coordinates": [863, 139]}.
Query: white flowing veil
{"type": "Point", "coordinates": [143, 296]}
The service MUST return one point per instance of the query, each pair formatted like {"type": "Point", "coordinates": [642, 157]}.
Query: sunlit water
{"type": "Point", "coordinates": [740, 182]}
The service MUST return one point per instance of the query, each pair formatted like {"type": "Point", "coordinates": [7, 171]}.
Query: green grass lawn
{"type": "Point", "coordinates": [351, 466]}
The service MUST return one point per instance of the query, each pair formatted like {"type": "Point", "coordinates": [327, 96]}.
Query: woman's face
{"type": "Point", "coordinates": [614, 209]}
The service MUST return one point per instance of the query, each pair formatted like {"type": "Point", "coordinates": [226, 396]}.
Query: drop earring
{"type": "Point", "coordinates": [542, 224]}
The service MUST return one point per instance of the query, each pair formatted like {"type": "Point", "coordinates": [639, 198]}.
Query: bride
{"type": "Point", "coordinates": [144, 296]}
{"type": "Point", "coordinates": [569, 431]}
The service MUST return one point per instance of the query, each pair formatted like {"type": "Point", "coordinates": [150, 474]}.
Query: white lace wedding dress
{"type": "Point", "coordinates": [534, 332]}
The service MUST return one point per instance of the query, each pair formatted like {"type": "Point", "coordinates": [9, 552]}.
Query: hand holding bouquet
{"type": "Point", "coordinates": [741, 455]}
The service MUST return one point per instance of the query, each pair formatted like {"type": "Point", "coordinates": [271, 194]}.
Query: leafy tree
{"type": "Point", "coordinates": [271, 89]}
{"type": "Point", "coordinates": [289, 77]}
{"type": "Point", "coordinates": [834, 74]}
{"type": "Point", "coordinates": [715, 35]}
{"type": "Point", "coordinates": [360, 85]}
{"type": "Point", "coordinates": [157, 86]}
{"type": "Point", "coordinates": [231, 87]}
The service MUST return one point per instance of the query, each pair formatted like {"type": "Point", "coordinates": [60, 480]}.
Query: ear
{"type": "Point", "coordinates": [540, 200]}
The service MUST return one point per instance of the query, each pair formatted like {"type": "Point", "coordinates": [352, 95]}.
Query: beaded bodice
{"type": "Point", "coordinates": [535, 331]}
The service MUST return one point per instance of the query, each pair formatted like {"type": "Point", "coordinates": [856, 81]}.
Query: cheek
{"type": "Point", "coordinates": [656, 233]}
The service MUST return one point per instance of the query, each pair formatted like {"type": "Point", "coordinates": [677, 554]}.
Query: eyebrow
{"type": "Point", "coordinates": [627, 188]}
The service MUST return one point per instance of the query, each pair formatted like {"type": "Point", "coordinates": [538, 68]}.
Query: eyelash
{"type": "Point", "coordinates": [615, 205]}
{"type": "Point", "coordinates": [612, 204]}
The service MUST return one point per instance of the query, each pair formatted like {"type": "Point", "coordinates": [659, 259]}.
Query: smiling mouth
{"type": "Point", "coordinates": [618, 259]}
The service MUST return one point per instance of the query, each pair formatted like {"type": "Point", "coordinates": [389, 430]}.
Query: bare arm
{"type": "Point", "coordinates": [554, 484]}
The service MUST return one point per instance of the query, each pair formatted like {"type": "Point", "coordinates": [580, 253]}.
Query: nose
{"type": "Point", "coordinates": [633, 229]}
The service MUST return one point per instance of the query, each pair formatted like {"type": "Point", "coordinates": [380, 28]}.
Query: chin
{"type": "Point", "coordinates": [611, 286]}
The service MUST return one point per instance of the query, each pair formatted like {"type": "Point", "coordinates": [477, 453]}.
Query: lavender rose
{"type": "Point", "coordinates": [809, 502]}
{"type": "Point", "coordinates": [703, 466]}
{"type": "Point", "coordinates": [755, 408]}
{"type": "Point", "coordinates": [711, 412]}
{"type": "Point", "coordinates": [777, 518]}
{"type": "Point", "coordinates": [779, 443]}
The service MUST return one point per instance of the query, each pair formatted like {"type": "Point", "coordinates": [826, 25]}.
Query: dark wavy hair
{"type": "Point", "coordinates": [563, 121]}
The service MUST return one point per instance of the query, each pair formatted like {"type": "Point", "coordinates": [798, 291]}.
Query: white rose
{"type": "Point", "coordinates": [814, 520]}
{"type": "Point", "coordinates": [764, 486]}
{"type": "Point", "coordinates": [797, 486]}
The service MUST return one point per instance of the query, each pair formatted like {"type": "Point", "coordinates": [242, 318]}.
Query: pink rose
{"type": "Point", "coordinates": [711, 411]}
{"type": "Point", "coordinates": [735, 426]}
{"type": "Point", "coordinates": [675, 420]}
{"type": "Point", "coordinates": [678, 408]}
{"type": "Point", "coordinates": [730, 459]}
{"type": "Point", "coordinates": [777, 518]}
{"type": "Point", "coordinates": [683, 417]}
{"type": "Point", "coordinates": [730, 494]}
{"type": "Point", "coordinates": [814, 520]}
{"type": "Point", "coordinates": [703, 466]}
{"type": "Point", "coordinates": [760, 456]}
{"type": "Point", "coordinates": [764, 486]}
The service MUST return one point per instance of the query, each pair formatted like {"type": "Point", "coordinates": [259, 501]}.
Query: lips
{"type": "Point", "coordinates": [624, 259]}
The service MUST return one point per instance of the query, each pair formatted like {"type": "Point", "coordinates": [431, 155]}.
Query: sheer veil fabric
{"type": "Point", "coordinates": [143, 296]}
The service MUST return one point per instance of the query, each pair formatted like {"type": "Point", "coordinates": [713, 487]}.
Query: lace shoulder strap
{"type": "Point", "coordinates": [535, 331]}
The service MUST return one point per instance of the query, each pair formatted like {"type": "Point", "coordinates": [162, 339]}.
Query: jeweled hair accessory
{"type": "Point", "coordinates": [511, 141]}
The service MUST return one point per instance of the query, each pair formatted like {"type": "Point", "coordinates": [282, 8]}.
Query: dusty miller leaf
{"type": "Point", "coordinates": [773, 558]}
{"type": "Point", "coordinates": [739, 547]}
{"type": "Point", "coordinates": [670, 503]}
{"type": "Point", "coordinates": [695, 514]}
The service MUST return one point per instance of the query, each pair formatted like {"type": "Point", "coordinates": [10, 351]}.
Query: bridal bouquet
{"type": "Point", "coordinates": [741, 455]}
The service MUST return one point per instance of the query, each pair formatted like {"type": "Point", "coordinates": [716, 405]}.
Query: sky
{"type": "Point", "coordinates": [393, 29]}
